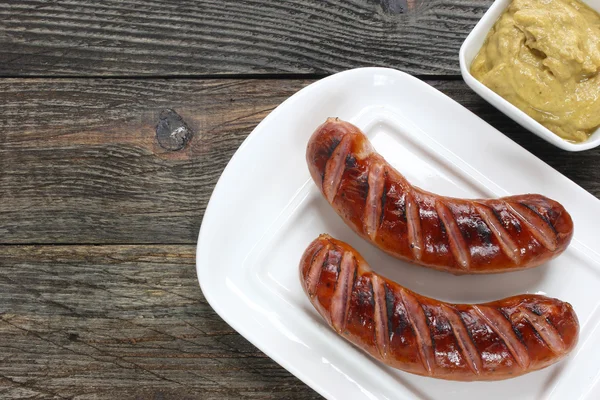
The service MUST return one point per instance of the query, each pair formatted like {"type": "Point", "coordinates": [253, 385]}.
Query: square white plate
{"type": "Point", "coordinates": [265, 210]}
{"type": "Point", "coordinates": [469, 50]}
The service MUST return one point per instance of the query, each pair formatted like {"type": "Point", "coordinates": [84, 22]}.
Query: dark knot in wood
{"type": "Point", "coordinates": [172, 132]}
{"type": "Point", "coordinates": [397, 6]}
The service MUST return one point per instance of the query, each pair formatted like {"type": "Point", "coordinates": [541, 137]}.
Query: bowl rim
{"type": "Point", "coordinates": [481, 29]}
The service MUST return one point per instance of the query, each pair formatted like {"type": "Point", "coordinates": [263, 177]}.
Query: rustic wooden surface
{"type": "Point", "coordinates": [100, 205]}
{"type": "Point", "coordinates": [186, 37]}
{"type": "Point", "coordinates": [122, 321]}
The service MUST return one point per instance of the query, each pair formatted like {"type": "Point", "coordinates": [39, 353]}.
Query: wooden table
{"type": "Point", "coordinates": [116, 120]}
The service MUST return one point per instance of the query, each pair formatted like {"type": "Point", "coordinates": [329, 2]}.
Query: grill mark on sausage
{"type": "Point", "coordinates": [519, 335]}
{"type": "Point", "coordinates": [464, 340]}
{"type": "Point", "coordinates": [484, 232]}
{"type": "Point", "coordinates": [351, 161]}
{"type": "Point", "coordinates": [535, 333]}
{"type": "Point", "coordinates": [401, 207]}
{"type": "Point", "coordinates": [380, 316]}
{"type": "Point", "coordinates": [340, 302]}
{"type": "Point", "coordinates": [371, 293]}
{"type": "Point", "coordinates": [428, 319]}
{"type": "Point", "coordinates": [546, 220]}
{"type": "Point", "coordinates": [334, 169]}
{"type": "Point", "coordinates": [504, 329]}
{"type": "Point", "coordinates": [366, 297]}
{"type": "Point", "coordinates": [316, 267]}
{"type": "Point", "coordinates": [462, 320]}
{"type": "Point", "coordinates": [334, 144]}
{"type": "Point", "coordinates": [413, 222]}
{"type": "Point", "coordinates": [514, 328]}
{"type": "Point", "coordinates": [326, 154]}
{"type": "Point", "coordinates": [540, 231]}
{"type": "Point", "coordinates": [458, 246]}
{"type": "Point", "coordinates": [389, 305]}
{"type": "Point", "coordinates": [418, 320]}
{"type": "Point", "coordinates": [373, 209]}
{"type": "Point", "coordinates": [508, 246]}
{"type": "Point", "coordinates": [383, 196]}
{"type": "Point", "coordinates": [536, 309]}
{"type": "Point", "coordinates": [547, 333]}
{"type": "Point", "coordinates": [514, 221]}
{"type": "Point", "coordinates": [550, 322]}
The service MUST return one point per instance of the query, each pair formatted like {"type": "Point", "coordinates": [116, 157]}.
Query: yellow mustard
{"type": "Point", "coordinates": [543, 56]}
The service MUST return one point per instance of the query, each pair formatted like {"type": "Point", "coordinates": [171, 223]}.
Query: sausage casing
{"type": "Point", "coordinates": [417, 334]}
{"type": "Point", "coordinates": [461, 236]}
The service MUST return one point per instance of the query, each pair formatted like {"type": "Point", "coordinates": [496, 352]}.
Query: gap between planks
{"type": "Point", "coordinates": [309, 76]}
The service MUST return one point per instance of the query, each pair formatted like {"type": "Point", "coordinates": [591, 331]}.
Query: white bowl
{"type": "Point", "coordinates": [469, 50]}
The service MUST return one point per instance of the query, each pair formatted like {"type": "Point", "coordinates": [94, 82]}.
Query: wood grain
{"type": "Point", "coordinates": [80, 161]}
{"type": "Point", "coordinates": [221, 37]}
{"type": "Point", "coordinates": [108, 322]}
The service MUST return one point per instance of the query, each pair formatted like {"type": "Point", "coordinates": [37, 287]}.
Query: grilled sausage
{"type": "Point", "coordinates": [456, 235]}
{"type": "Point", "coordinates": [491, 341]}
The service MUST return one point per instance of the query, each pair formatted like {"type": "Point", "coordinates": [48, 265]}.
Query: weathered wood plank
{"type": "Point", "coordinates": [80, 161]}
{"type": "Point", "coordinates": [108, 322]}
{"type": "Point", "coordinates": [173, 37]}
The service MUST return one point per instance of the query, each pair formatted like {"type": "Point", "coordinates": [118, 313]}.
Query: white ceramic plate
{"type": "Point", "coordinates": [265, 210]}
{"type": "Point", "coordinates": [469, 50]}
